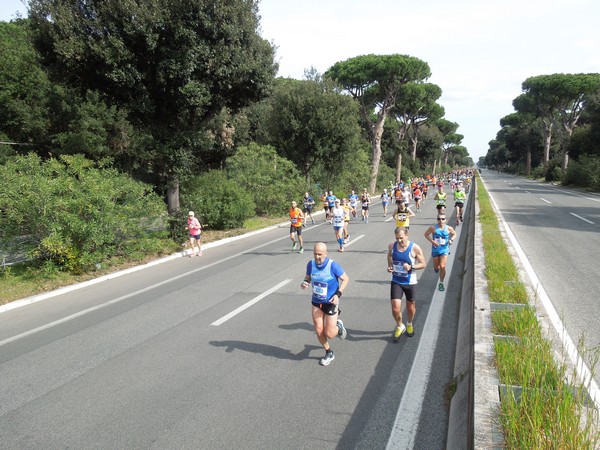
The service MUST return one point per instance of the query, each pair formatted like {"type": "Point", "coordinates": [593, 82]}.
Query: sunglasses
{"type": "Point", "coordinates": [441, 218]}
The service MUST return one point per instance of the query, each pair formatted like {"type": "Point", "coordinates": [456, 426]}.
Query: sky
{"type": "Point", "coordinates": [479, 51]}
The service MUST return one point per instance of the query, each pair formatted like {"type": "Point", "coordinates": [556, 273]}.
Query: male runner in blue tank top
{"type": "Point", "coordinates": [404, 258]}
{"type": "Point", "coordinates": [328, 281]}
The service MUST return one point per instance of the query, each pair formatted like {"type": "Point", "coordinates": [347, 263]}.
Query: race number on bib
{"type": "Point", "coordinates": [399, 268]}
{"type": "Point", "coordinates": [320, 290]}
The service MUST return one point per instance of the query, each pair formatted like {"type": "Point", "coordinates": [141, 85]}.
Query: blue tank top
{"type": "Point", "coordinates": [324, 282]}
{"type": "Point", "coordinates": [399, 275]}
{"type": "Point", "coordinates": [442, 237]}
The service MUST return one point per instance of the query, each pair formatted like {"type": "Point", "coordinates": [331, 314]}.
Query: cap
{"type": "Point", "coordinates": [191, 213]}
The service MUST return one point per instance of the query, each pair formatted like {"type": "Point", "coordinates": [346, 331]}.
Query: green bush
{"type": "Point", "coordinates": [72, 212]}
{"type": "Point", "coordinates": [584, 172]}
{"type": "Point", "coordinates": [219, 202]}
{"type": "Point", "coordinates": [272, 181]}
{"type": "Point", "coordinates": [538, 172]}
{"type": "Point", "coordinates": [553, 171]}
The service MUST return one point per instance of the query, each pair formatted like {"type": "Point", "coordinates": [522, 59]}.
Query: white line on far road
{"type": "Point", "coordinates": [247, 305]}
{"type": "Point", "coordinates": [544, 200]}
{"type": "Point", "coordinates": [582, 218]}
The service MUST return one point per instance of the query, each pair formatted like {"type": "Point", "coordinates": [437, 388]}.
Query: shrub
{"type": "Point", "coordinates": [72, 212]}
{"type": "Point", "coordinates": [218, 202]}
{"type": "Point", "coordinates": [584, 172]}
{"type": "Point", "coordinates": [271, 180]}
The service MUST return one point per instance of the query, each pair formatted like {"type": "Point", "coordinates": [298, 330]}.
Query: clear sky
{"type": "Point", "coordinates": [479, 51]}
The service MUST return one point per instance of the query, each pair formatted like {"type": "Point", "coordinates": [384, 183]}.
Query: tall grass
{"type": "Point", "coordinates": [544, 412]}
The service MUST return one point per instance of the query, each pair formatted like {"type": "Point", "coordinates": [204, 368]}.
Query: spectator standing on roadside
{"type": "Point", "coordinates": [328, 281]}
{"type": "Point", "coordinates": [195, 229]}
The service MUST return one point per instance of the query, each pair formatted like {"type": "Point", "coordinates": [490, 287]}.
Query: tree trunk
{"type": "Point", "coordinates": [173, 197]}
{"type": "Point", "coordinates": [547, 142]}
{"type": "Point", "coordinates": [414, 143]}
{"type": "Point", "coordinates": [565, 163]}
{"type": "Point", "coordinates": [376, 148]}
{"type": "Point", "coordinates": [399, 167]}
{"type": "Point", "coordinates": [528, 162]}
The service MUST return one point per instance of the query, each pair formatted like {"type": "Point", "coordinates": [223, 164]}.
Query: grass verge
{"type": "Point", "coordinates": [545, 412]}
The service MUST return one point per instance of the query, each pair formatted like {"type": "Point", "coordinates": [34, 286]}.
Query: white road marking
{"type": "Point", "coordinates": [248, 304]}
{"type": "Point", "coordinates": [352, 241]}
{"type": "Point", "coordinates": [544, 200]}
{"type": "Point", "coordinates": [582, 218]}
{"type": "Point", "coordinates": [132, 294]}
{"type": "Point", "coordinates": [404, 431]}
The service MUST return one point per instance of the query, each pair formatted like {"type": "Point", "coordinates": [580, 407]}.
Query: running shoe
{"type": "Point", "coordinates": [342, 333]}
{"type": "Point", "coordinates": [410, 330]}
{"type": "Point", "coordinates": [301, 250]}
{"type": "Point", "coordinates": [398, 332]}
{"type": "Point", "coordinates": [329, 356]}
{"type": "Point", "coordinates": [294, 246]}
{"type": "Point", "coordinates": [441, 286]}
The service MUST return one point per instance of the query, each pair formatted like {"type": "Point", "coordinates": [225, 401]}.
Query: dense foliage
{"type": "Point", "coordinates": [73, 212]}
{"type": "Point", "coordinates": [218, 201]}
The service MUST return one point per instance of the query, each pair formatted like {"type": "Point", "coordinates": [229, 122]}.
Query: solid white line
{"type": "Point", "coordinates": [582, 218]}
{"type": "Point", "coordinates": [247, 305]}
{"type": "Point", "coordinates": [352, 241]}
{"type": "Point", "coordinates": [404, 431]}
{"type": "Point", "coordinates": [544, 200]}
{"type": "Point", "coordinates": [582, 369]}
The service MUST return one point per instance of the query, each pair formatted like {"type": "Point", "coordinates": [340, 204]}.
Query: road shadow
{"type": "Point", "coordinates": [267, 350]}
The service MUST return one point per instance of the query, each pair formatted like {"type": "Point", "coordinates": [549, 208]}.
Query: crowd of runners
{"type": "Point", "coordinates": [327, 279]}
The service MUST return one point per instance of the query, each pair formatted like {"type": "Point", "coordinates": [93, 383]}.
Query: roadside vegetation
{"type": "Point", "coordinates": [540, 408]}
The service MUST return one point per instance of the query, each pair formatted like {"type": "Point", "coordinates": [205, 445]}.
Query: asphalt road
{"type": "Point", "coordinates": [165, 358]}
{"type": "Point", "coordinates": [559, 231]}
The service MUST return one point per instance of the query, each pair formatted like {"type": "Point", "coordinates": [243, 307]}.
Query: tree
{"type": "Point", "coordinates": [311, 123]}
{"type": "Point", "coordinates": [270, 178]}
{"type": "Point", "coordinates": [375, 80]}
{"type": "Point", "coordinates": [172, 65]}
{"type": "Point", "coordinates": [415, 106]}
{"type": "Point", "coordinates": [522, 138]}
{"type": "Point", "coordinates": [558, 100]}
{"type": "Point", "coordinates": [24, 89]}
{"type": "Point", "coordinates": [451, 137]}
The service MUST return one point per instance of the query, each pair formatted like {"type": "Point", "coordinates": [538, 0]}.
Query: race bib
{"type": "Point", "coordinates": [399, 268]}
{"type": "Point", "coordinates": [320, 290]}
{"type": "Point", "coordinates": [440, 240]}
